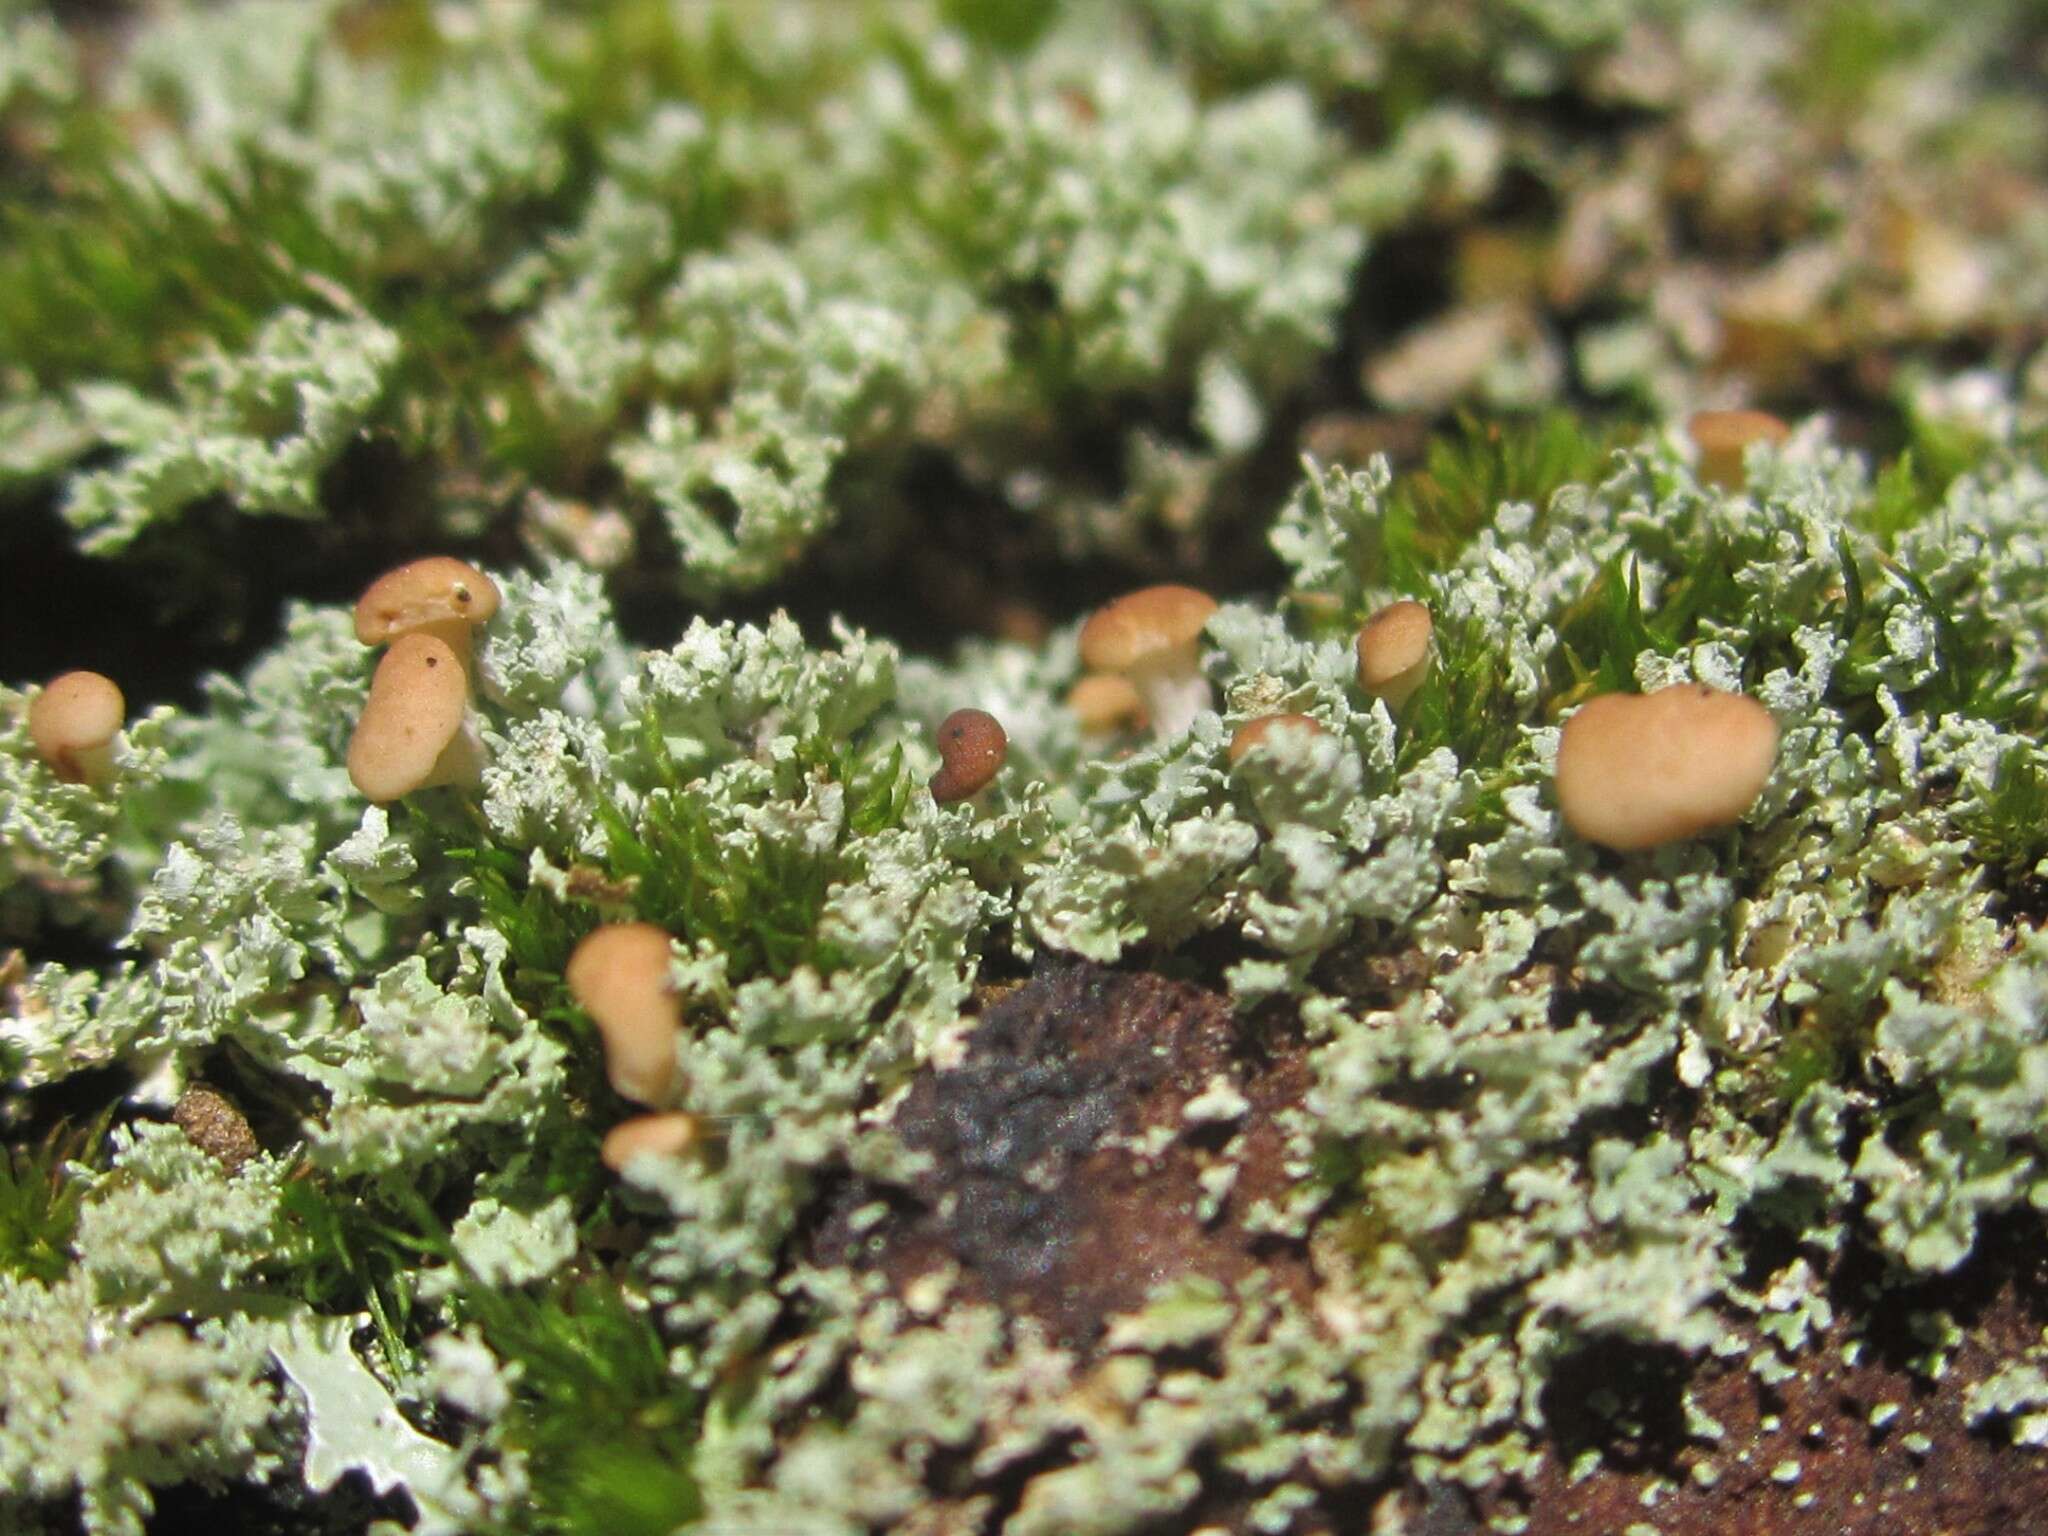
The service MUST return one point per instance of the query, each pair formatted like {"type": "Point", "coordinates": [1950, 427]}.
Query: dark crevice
{"type": "Point", "coordinates": [282, 1507]}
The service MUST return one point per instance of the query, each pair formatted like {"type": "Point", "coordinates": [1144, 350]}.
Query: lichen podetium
{"type": "Point", "coordinates": [1190, 1124]}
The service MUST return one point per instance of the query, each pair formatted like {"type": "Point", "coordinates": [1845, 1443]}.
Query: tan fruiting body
{"type": "Point", "coordinates": [1722, 437]}
{"type": "Point", "coordinates": [73, 723]}
{"type": "Point", "coordinates": [972, 745]}
{"type": "Point", "coordinates": [670, 1133]}
{"type": "Point", "coordinates": [1150, 637]}
{"type": "Point", "coordinates": [1635, 771]}
{"type": "Point", "coordinates": [1393, 652]}
{"type": "Point", "coordinates": [1103, 702]}
{"type": "Point", "coordinates": [439, 596]}
{"type": "Point", "coordinates": [1020, 623]}
{"type": "Point", "coordinates": [414, 732]}
{"type": "Point", "coordinates": [426, 612]}
{"type": "Point", "coordinates": [1253, 734]}
{"type": "Point", "coordinates": [619, 975]}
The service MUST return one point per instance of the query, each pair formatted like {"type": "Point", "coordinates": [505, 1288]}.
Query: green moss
{"type": "Point", "coordinates": [915, 302]}
{"type": "Point", "coordinates": [350, 1247]}
{"type": "Point", "coordinates": [1464, 702]}
{"type": "Point", "coordinates": [755, 898]}
{"type": "Point", "coordinates": [116, 282]}
{"type": "Point", "coordinates": [540, 930]}
{"type": "Point", "coordinates": [1470, 470]}
{"type": "Point", "coordinates": [38, 1212]}
{"type": "Point", "coordinates": [2009, 826]}
{"type": "Point", "coordinates": [608, 1432]}
{"type": "Point", "coordinates": [1849, 46]}
{"type": "Point", "coordinates": [758, 905]}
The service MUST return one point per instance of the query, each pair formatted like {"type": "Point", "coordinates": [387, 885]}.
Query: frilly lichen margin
{"type": "Point", "coordinates": [376, 968]}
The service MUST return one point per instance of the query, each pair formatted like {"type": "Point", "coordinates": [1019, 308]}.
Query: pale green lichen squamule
{"type": "Point", "coordinates": [730, 309]}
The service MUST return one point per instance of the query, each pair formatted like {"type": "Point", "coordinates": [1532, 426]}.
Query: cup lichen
{"type": "Point", "coordinates": [1196, 1135]}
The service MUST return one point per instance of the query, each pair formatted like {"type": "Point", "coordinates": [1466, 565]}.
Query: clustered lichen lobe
{"type": "Point", "coordinates": [1601, 977]}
